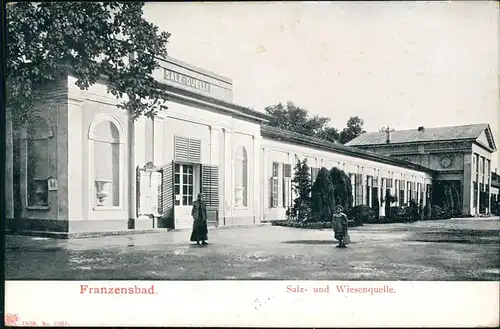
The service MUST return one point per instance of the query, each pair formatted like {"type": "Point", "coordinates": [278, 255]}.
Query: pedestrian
{"type": "Point", "coordinates": [199, 213]}
{"type": "Point", "coordinates": [339, 221]}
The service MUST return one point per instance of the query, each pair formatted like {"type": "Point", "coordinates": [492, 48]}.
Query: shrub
{"type": "Point", "coordinates": [342, 190]}
{"type": "Point", "coordinates": [441, 213]}
{"type": "Point", "coordinates": [308, 225]}
{"type": "Point", "coordinates": [322, 197]}
{"type": "Point", "coordinates": [427, 212]}
{"type": "Point", "coordinates": [361, 214]}
{"type": "Point", "coordinates": [301, 185]}
{"type": "Point", "coordinates": [388, 200]}
{"type": "Point", "coordinates": [464, 215]}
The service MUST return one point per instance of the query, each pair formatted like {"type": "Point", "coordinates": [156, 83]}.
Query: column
{"type": "Point", "coordinates": [467, 186]}
{"type": "Point", "coordinates": [487, 165]}
{"type": "Point", "coordinates": [479, 189]}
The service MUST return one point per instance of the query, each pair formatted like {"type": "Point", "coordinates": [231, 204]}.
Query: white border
{"type": "Point", "coordinates": [254, 303]}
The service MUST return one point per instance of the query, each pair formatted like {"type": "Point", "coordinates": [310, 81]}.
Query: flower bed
{"type": "Point", "coordinates": [308, 225]}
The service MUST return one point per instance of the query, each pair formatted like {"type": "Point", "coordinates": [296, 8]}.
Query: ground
{"type": "Point", "coordinates": [458, 249]}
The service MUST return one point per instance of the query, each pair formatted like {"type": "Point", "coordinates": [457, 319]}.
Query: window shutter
{"type": "Point", "coordinates": [286, 192]}
{"type": "Point", "coordinates": [166, 203]}
{"type": "Point", "coordinates": [288, 171]}
{"type": "Point", "coordinates": [359, 189]}
{"type": "Point", "coordinates": [274, 192]}
{"type": "Point", "coordinates": [181, 149]}
{"type": "Point", "coordinates": [187, 149]}
{"type": "Point", "coordinates": [138, 193]}
{"type": "Point", "coordinates": [194, 150]}
{"type": "Point", "coordinates": [210, 185]}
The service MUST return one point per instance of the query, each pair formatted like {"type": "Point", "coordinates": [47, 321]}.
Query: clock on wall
{"type": "Point", "coordinates": [446, 161]}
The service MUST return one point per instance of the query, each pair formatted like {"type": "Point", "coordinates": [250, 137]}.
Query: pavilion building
{"type": "Point", "coordinates": [80, 164]}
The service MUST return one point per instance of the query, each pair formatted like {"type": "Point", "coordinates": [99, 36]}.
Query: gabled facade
{"type": "Point", "coordinates": [460, 156]}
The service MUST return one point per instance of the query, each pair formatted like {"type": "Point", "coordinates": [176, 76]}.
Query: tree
{"type": "Point", "coordinates": [322, 197]}
{"type": "Point", "coordinates": [91, 39]}
{"type": "Point", "coordinates": [293, 118]}
{"type": "Point", "coordinates": [384, 129]}
{"type": "Point", "coordinates": [330, 134]}
{"type": "Point", "coordinates": [301, 185]}
{"type": "Point", "coordinates": [342, 189]}
{"type": "Point", "coordinates": [296, 119]}
{"type": "Point", "coordinates": [354, 129]}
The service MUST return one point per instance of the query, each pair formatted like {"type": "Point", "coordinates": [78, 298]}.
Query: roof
{"type": "Point", "coordinates": [281, 134]}
{"type": "Point", "coordinates": [466, 132]}
{"type": "Point", "coordinates": [221, 104]}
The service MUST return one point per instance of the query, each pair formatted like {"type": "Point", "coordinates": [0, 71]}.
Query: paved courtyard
{"type": "Point", "coordinates": [461, 249]}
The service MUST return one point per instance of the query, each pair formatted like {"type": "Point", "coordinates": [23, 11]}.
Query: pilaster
{"type": "Point", "coordinates": [228, 175]}
{"type": "Point", "coordinates": [75, 167]}
{"type": "Point", "coordinates": [158, 141]}
{"type": "Point", "coordinates": [214, 144]}
{"type": "Point", "coordinates": [149, 140]}
{"type": "Point", "coordinates": [9, 167]}
{"type": "Point", "coordinates": [254, 182]}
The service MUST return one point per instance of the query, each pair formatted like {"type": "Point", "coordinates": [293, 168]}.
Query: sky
{"type": "Point", "coordinates": [402, 64]}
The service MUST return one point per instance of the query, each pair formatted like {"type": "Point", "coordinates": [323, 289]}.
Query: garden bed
{"type": "Point", "coordinates": [308, 225]}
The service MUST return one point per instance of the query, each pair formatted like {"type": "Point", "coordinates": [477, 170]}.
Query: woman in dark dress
{"type": "Point", "coordinates": [199, 213]}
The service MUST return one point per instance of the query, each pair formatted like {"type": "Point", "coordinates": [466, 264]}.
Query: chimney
{"type": "Point", "coordinates": [387, 135]}
{"type": "Point", "coordinates": [421, 128]}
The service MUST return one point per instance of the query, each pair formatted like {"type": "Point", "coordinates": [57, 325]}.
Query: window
{"type": "Point", "coordinates": [382, 190]}
{"type": "Point", "coordinates": [352, 178]}
{"type": "Point", "coordinates": [275, 169]}
{"type": "Point", "coordinates": [105, 135]}
{"type": "Point", "coordinates": [368, 196]}
{"type": "Point", "coordinates": [389, 182]}
{"type": "Point", "coordinates": [241, 177]}
{"type": "Point", "coordinates": [274, 185]}
{"type": "Point", "coordinates": [409, 191]}
{"type": "Point", "coordinates": [287, 185]}
{"type": "Point", "coordinates": [398, 189]}
{"type": "Point", "coordinates": [38, 133]}
{"type": "Point", "coordinates": [183, 184]}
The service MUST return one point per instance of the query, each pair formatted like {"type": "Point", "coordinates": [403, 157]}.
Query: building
{"type": "Point", "coordinates": [81, 165]}
{"type": "Point", "coordinates": [495, 191]}
{"type": "Point", "coordinates": [459, 155]}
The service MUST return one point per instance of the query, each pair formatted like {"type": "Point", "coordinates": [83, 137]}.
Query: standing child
{"type": "Point", "coordinates": [339, 221]}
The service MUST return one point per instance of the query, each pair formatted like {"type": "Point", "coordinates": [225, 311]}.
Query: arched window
{"type": "Point", "coordinates": [241, 177]}
{"type": "Point", "coordinates": [38, 131]}
{"type": "Point", "coordinates": [105, 135]}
